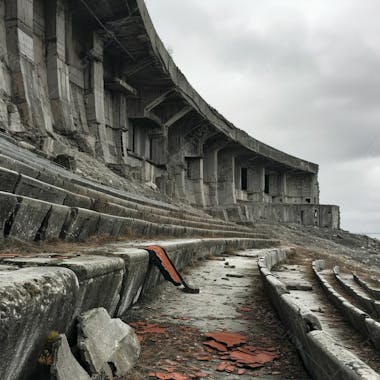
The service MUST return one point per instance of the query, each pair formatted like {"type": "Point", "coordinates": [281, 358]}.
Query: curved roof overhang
{"type": "Point", "coordinates": [148, 64]}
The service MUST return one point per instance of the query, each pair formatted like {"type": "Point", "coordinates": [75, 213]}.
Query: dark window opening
{"type": "Point", "coordinates": [302, 216]}
{"type": "Point", "coordinates": [308, 200]}
{"type": "Point", "coordinates": [266, 186]}
{"type": "Point", "coordinates": [132, 138]}
{"type": "Point", "coordinates": [244, 179]}
{"type": "Point", "coordinates": [150, 149]}
{"type": "Point", "coordinates": [122, 144]}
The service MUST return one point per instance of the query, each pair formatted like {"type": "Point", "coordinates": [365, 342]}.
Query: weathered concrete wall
{"type": "Point", "coordinates": [305, 214]}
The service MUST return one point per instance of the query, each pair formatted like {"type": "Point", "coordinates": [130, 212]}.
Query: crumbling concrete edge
{"type": "Point", "coordinates": [375, 293]}
{"type": "Point", "coordinates": [322, 356]}
{"type": "Point", "coordinates": [370, 305]}
{"type": "Point", "coordinates": [359, 320]}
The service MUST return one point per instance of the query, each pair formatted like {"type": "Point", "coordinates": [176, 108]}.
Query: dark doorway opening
{"type": "Point", "coordinates": [244, 179]}
{"type": "Point", "coordinates": [266, 187]}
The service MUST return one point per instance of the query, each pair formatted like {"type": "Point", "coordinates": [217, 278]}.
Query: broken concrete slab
{"type": "Point", "coordinates": [77, 200]}
{"type": "Point", "coordinates": [8, 204]}
{"type": "Point", "coordinates": [65, 366]}
{"type": "Point", "coordinates": [110, 225]}
{"type": "Point", "coordinates": [56, 220]}
{"type": "Point", "coordinates": [8, 180]}
{"type": "Point", "coordinates": [34, 302]}
{"type": "Point", "coordinates": [108, 346]}
{"type": "Point", "coordinates": [28, 219]}
{"type": "Point", "coordinates": [136, 267]}
{"type": "Point", "coordinates": [34, 188]}
{"type": "Point", "coordinates": [81, 224]}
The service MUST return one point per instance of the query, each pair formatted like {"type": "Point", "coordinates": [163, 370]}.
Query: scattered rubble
{"type": "Point", "coordinates": [65, 366]}
{"type": "Point", "coordinates": [108, 346]}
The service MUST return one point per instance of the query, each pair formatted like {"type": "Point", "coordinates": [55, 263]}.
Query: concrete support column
{"type": "Point", "coordinates": [256, 183]}
{"type": "Point", "coordinates": [19, 31]}
{"type": "Point", "coordinates": [282, 187]}
{"type": "Point", "coordinates": [180, 181]}
{"type": "Point", "coordinates": [160, 146]}
{"type": "Point", "coordinates": [226, 178]}
{"type": "Point", "coordinates": [210, 175]}
{"type": "Point", "coordinates": [57, 70]}
{"type": "Point", "coordinates": [315, 189]}
{"type": "Point", "coordinates": [95, 98]}
{"type": "Point", "coordinates": [195, 178]}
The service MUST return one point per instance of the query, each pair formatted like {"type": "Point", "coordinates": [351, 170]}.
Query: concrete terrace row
{"type": "Point", "coordinates": [47, 292]}
{"type": "Point", "coordinates": [51, 202]}
{"type": "Point", "coordinates": [322, 334]}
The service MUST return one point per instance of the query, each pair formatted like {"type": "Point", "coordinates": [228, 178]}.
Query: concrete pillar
{"type": "Point", "coordinates": [57, 70]}
{"type": "Point", "coordinates": [195, 178]}
{"type": "Point", "coordinates": [226, 178]}
{"type": "Point", "coordinates": [256, 183]}
{"type": "Point", "coordinates": [95, 98]}
{"type": "Point", "coordinates": [282, 187]}
{"type": "Point", "coordinates": [179, 181]}
{"type": "Point", "coordinates": [210, 175]}
{"type": "Point", "coordinates": [19, 30]}
{"type": "Point", "coordinates": [159, 141]}
{"type": "Point", "coordinates": [315, 189]}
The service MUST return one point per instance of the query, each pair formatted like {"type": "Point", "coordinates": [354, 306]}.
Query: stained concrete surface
{"type": "Point", "coordinates": [225, 302]}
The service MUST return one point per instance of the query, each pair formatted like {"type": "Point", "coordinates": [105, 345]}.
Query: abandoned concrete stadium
{"type": "Point", "coordinates": [88, 86]}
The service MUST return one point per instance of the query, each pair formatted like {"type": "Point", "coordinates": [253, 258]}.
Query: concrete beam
{"type": "Point", "coordinates": [139, 66]}
{"type": "Point", "coordinates": [178, 116]}
{"type": "Point", "coordinates": [160, 99]}
{"type": "Point", "coordinates": [119, 85]}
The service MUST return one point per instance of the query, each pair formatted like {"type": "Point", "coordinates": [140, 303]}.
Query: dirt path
{"type": "Point", "coordinates": [173, 327]}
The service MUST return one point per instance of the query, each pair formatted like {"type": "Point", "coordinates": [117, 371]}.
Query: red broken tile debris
{"type": "Point", "coordinates": [218, 346]}
{"type": "Point", "coordinates": [227, 338]}
{"type": "Point", "coordinates": [222, 366]}
{"type": "Point", "coordinates": [148, 328]}
{"type": "Point", "coordinates": [235, 353]}
{"type": "Point", "coordinates": [168, 376]}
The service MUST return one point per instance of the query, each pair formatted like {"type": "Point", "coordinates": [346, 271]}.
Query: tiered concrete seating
{"type": "Point", "coordinates": [67, 206]}
{"type": "Point", "coordinates": [321, 338]}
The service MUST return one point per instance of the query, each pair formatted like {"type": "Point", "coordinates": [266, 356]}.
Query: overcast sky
{"type": "Point", "coordinates": [303, 76]}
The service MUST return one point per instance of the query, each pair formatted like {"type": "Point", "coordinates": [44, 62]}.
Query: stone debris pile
{"type": "Point", "coordinates": [108, 349]}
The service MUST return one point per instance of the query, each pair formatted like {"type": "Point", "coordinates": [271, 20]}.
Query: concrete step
{"type": "Point", "coordinates": [29, 219]}
{"type": "Point", "coordinates": [20, 184]}
{"type": "Point", "coordinates": [86, 195]}
{"type": "Point", "coordinates": [16, 158]}
{"type": "Point", "coordinates": [326, 344]}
